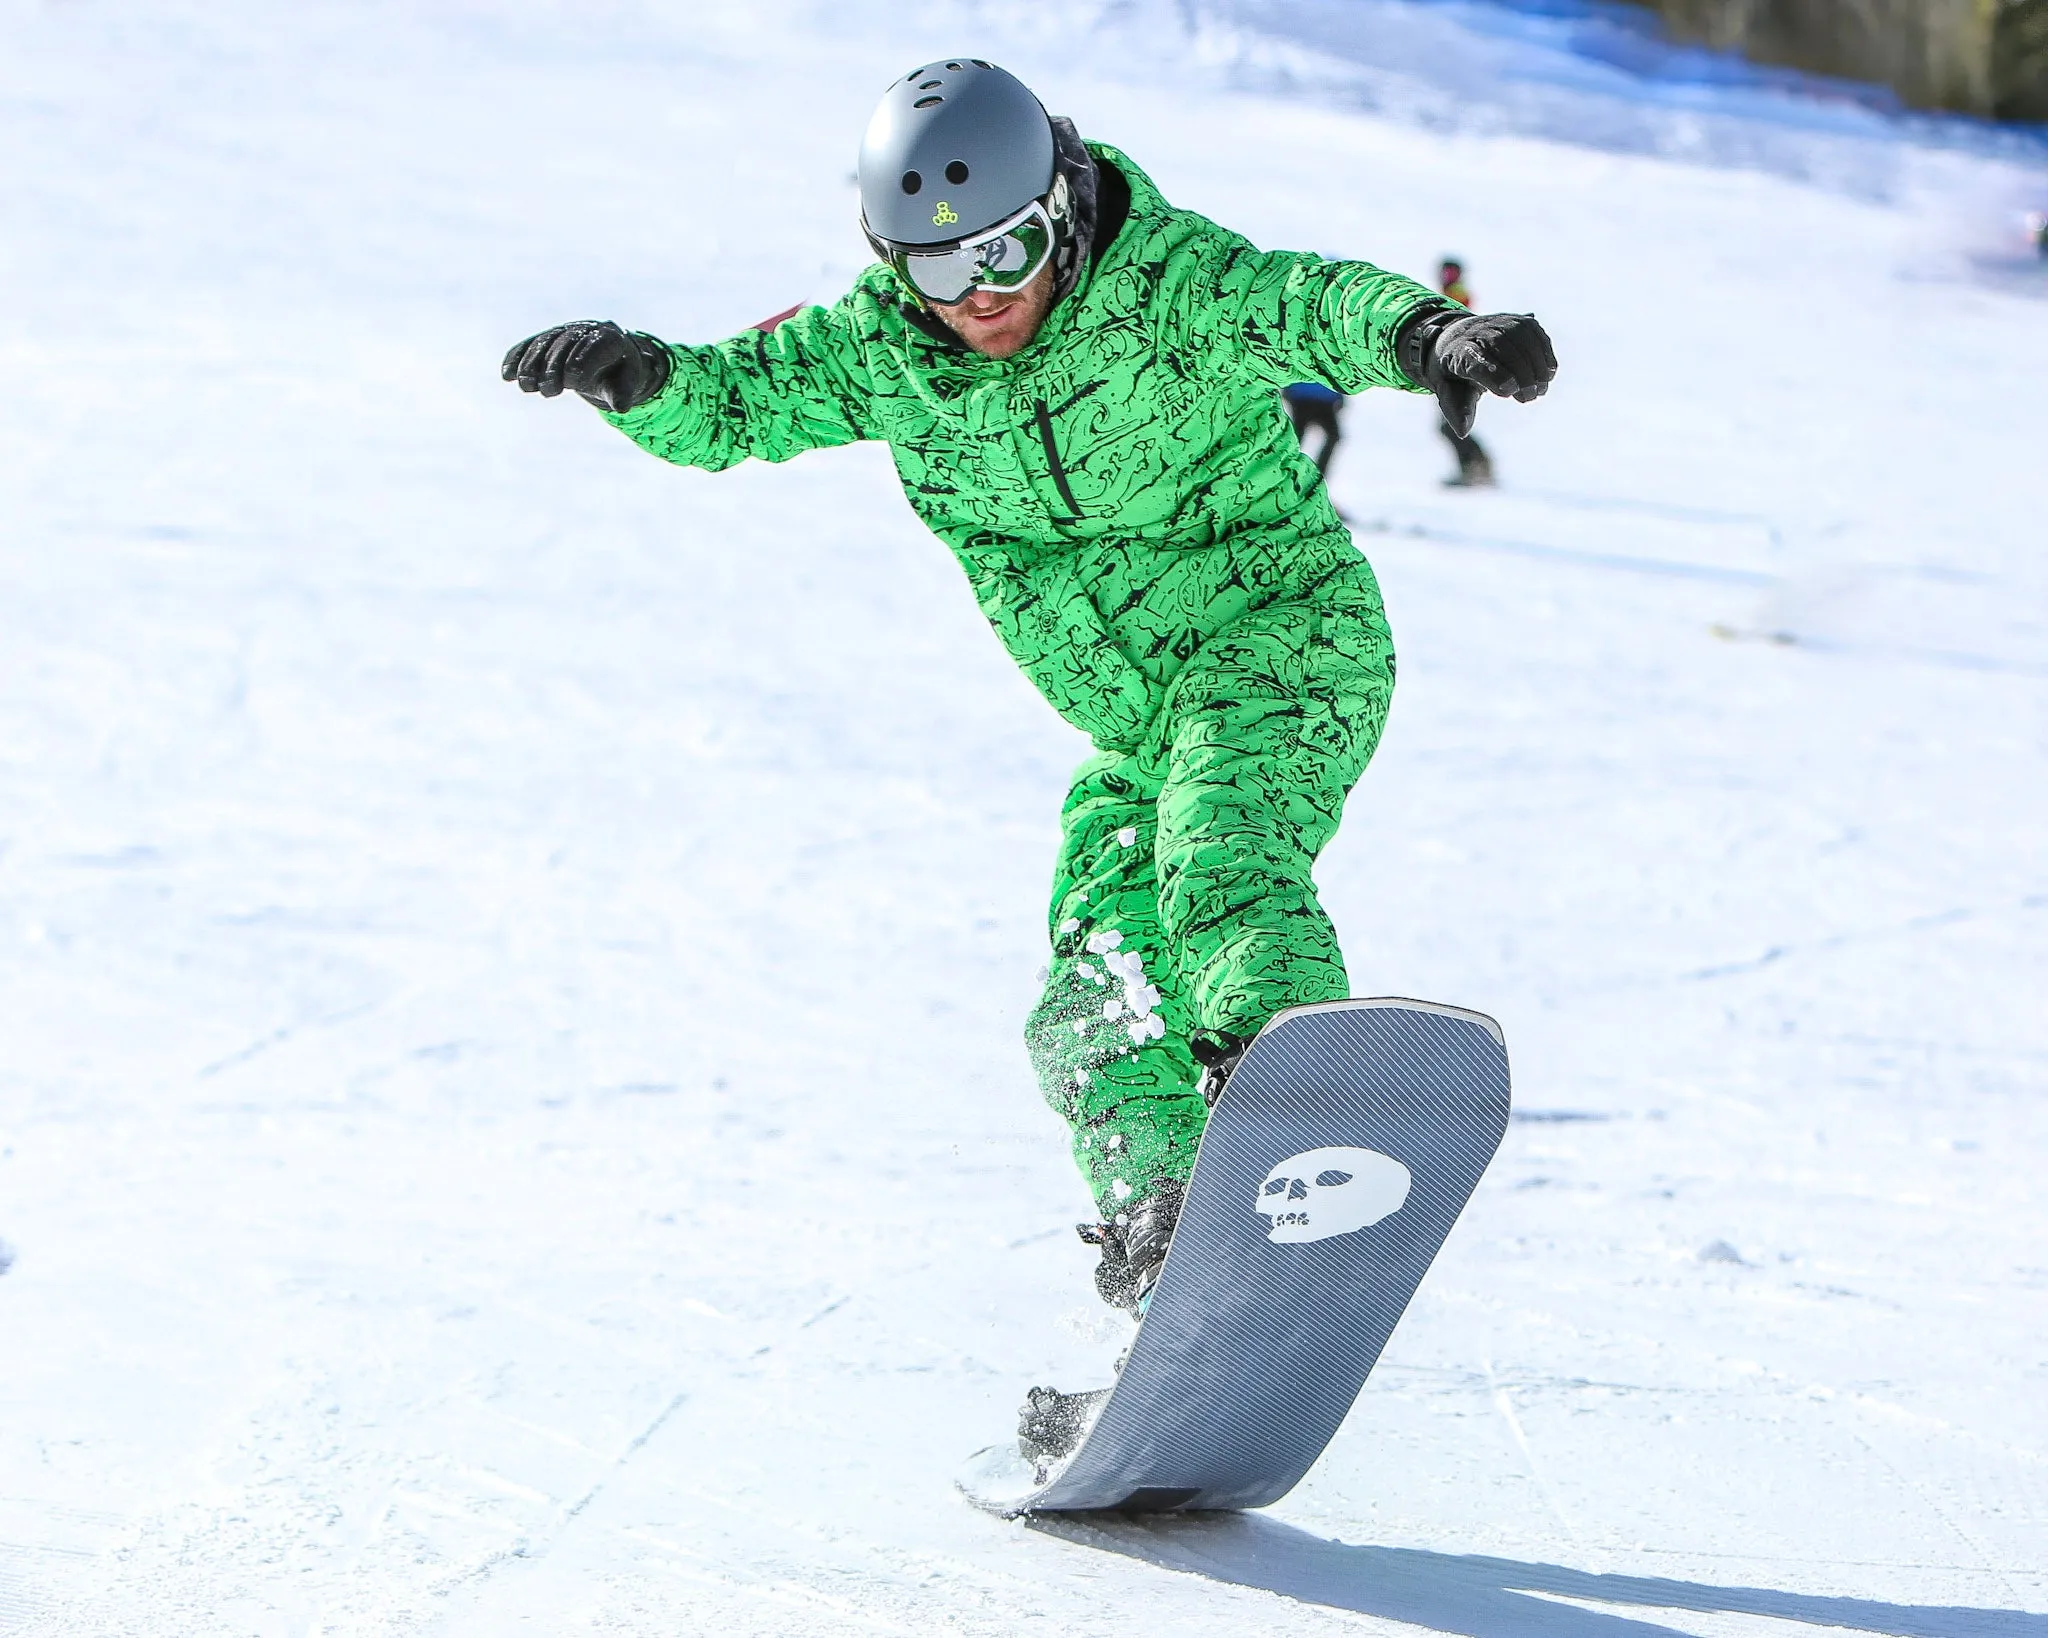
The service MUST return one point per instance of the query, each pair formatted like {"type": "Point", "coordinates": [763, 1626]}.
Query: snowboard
{"type": "Point", "coordinates": [1345, 1144]}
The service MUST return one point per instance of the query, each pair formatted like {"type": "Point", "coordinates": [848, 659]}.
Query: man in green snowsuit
{"type": "Point", "coordinates": [1081, 398]}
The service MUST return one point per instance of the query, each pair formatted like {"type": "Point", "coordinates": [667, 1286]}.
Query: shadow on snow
{"type": "Point", "coordinates": [1486, 1597]}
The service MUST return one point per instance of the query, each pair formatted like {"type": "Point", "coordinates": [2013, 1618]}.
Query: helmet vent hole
{"type": "Point", "coordinates": [978, 63]}
{"type": "Point", "coordinates": [931, 85]}
{"type": "Point", "coordinates": [912, 181]}
{"type": "Point", "coordinates": [956, 173]}
{"type": "Point", "coordinates": [927, 102]}
{"type": "Point", "coordinates": [954, 66]}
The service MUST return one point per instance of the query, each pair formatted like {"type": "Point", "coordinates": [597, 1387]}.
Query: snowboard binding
{"type": "Point", "coordinates": [1218, 1052]}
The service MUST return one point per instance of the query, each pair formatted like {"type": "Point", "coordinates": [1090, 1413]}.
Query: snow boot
{"type": "Point", "coordinates": [1134, 1244]}
{"type": "Point", "coordinates": [1050, 1424]}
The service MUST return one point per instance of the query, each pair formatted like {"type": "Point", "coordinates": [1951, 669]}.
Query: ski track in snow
{"type": "Point", "coordinates": [512, 956]}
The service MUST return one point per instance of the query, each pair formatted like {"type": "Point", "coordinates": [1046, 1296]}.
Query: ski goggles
{"type": "Point", "coordinates": [1006, 257]}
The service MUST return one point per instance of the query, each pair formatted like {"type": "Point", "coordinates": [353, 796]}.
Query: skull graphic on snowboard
{"type": "Point", "coordinates": [1331, 1191]}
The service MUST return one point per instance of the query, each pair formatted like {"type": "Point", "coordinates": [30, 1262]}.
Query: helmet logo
{"type": "Point", "coordinates": [944, 215]}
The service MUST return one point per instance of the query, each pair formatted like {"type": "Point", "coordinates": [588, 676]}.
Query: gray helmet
{"type": "Point", "coordinates": [954, 148]}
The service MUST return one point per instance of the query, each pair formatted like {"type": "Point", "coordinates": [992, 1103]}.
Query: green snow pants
{"type": "Point", "coordinates": [1183, 898]}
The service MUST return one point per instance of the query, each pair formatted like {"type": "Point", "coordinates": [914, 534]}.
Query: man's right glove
{"type": "Point", "coordinates": [1457, 355]}
{"type": "Point", "coordinates": [614, 369]}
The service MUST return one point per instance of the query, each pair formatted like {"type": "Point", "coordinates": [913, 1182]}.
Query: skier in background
{"type": "Point", "coordinates": [1075, 380]}
{"type": "Point", "coordinates": [1311, 406]}
{"type": "Point", "coordinates": [1475, 466]}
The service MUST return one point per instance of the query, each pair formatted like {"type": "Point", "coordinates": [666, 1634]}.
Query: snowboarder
{"type": "Point", "coordinates": [1475, 466]}
{"type": "Point", "coordinates": [1077, 383]}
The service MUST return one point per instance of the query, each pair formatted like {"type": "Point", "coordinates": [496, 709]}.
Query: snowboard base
{"type": "Point", "coordinates": [1337, 1160]}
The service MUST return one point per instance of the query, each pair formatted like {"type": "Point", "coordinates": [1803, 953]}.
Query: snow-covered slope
{"type": "Point", "coordinates": [511, 955]}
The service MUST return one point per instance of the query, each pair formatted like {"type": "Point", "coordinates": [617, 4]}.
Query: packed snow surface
{"type": "Point", "coordinates": [512, 955]}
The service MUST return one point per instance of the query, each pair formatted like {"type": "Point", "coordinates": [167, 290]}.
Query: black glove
{"type": "Point", "coordinates": [614, 369]}
{"type": "Point", "coordinates": [1456, 355]}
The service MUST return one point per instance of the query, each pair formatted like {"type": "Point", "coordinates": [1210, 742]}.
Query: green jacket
{"type": "Point", "coordinates": [1122, 489]}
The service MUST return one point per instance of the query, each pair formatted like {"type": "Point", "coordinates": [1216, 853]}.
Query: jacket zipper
{"type": "Point", "coordinates": [1052, 457]}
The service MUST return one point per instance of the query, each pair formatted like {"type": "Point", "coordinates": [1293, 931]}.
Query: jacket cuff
{"type": "Point", "coordinates": [1415, 342]}
{"type": "Point", "coordinates": [660, 357]}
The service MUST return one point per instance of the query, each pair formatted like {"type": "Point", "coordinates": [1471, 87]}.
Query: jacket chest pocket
{"type": "Point", "coordinates": [1119, 455]}
{"type": "Point", "coordinates": [1056, 466]}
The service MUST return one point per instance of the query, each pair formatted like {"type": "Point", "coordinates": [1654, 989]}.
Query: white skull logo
{"type": "Point", "coordinates": [1330, 1191]}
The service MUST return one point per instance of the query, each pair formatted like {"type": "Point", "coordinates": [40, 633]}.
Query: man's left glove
{"type": "Point", "coordinates": [614, 369]}
{"type": "Point", "coordinates": [1457, 355]}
